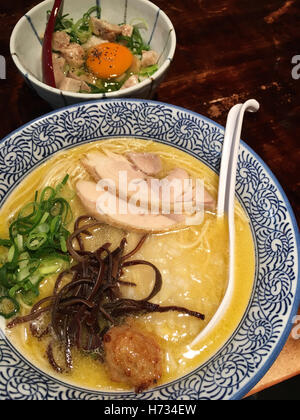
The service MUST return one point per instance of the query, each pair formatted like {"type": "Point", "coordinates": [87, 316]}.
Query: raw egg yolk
{"type": "Point", "coordinates": [109, 60]}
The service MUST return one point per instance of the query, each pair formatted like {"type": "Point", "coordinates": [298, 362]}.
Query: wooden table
{"type": "Point", "coordinates": [228, 51]}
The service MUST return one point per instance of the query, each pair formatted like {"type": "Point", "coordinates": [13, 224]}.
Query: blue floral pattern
{"type": "Point", "coordinates": [240, 363]}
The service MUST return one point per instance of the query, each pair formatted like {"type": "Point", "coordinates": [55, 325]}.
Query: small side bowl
{"type": "Point", "coordinates": [26, 45]}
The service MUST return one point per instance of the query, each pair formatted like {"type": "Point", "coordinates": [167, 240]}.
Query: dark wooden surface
{"type": "Point", "coordinates": [228, 51]}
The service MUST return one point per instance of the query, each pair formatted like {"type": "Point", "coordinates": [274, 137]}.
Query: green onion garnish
{"type": "Point", "coordinates": [37, 247]}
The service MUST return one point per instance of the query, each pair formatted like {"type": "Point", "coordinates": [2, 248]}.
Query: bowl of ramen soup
{"type": "Point", "coordinates": [113, 260]}
{"type": "Point", "coordinates": [112, 48]}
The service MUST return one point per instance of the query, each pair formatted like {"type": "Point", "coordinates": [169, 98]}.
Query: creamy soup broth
{"type": "Point", "coordinates": [193, 263]}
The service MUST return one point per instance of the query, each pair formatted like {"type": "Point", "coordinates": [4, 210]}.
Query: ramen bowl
{"type": "Point", "coordinates": [253, 343]}
{"type": "Point", "coordinates": [26, 45]}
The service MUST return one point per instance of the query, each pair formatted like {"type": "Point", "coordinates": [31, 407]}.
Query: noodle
{"type": "Point", "coordinates": [193, 263]}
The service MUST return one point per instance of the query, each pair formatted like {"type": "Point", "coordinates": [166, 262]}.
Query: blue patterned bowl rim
{"type": "Point", "coordinates": [260, 373]}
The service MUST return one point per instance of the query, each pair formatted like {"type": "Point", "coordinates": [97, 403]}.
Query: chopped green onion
{"type": "Point", "coordinates": [19, 242]}
{"type": "Point", "coordinates": [36, 278]}
{"type": "Point", "coordinates": [36, 240]}
{"type": "Point", "coordinates": [50, 191]}
{"type": "Point", "coordinates": [43, 228]}
{"type": "Point", "coordinates": [28, 211]}
{"type": "Point", "coordinates": [44, 218]}
{"type": "Point", "coordinates": [63, 244]}
{"type": "Point", "coordinates": [149, 71]}
{"type": "Point", "coordinates": [135, 43]}
{"type": "Point", "coordinates": [24, 260]}
{"type": "Point", "coordinates": [37, 245]}
{"type": "Point", "coordinates": [8, 307]}
{"type": "Point", "coordinates": [13, 291]}
{"type": "Point", "coordinates": [23, 274]}
{"type": "Point", "coordinates": [30, 296]}
{"type": "Point", "coordinates": [55, 224]}
{"type": "Point", "coordinates": [5, 277]}
{"type": "Point", "coordinates": [47, 269]}
{"type": "Point", "coordinates": [11, 253]}
{"type": "Point", "coordinates": [6, 243]}
{"type": "Point", "coordinates": [80, 31]}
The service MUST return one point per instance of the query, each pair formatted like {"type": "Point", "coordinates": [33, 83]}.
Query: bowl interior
{"type": "Point", "coordinates": [26, 41]}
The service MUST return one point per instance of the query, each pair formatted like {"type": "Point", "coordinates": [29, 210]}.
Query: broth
{"type": "Point", "coordinates": [193, 263]}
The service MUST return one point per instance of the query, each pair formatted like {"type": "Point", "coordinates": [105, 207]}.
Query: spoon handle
{"type": "Point", "coordinates": [226, 156]}
{"type": "Point", "coordinates": [227, 200]}
{"type": "Point", "coordinates": [249, 106]}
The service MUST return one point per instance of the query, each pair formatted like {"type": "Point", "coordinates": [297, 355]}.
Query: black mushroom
{"type": "Point", "coordinates": [87, 301]}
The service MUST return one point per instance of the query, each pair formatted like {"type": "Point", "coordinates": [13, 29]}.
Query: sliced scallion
{"type": "Point", "coordinates": [8, 307]}
{"type": "Point", "coordinates": [11, 253]}
{"type": "Point", "coordinates": [36, 240]}
{"type": "Point", "coordinates": [36, 246]}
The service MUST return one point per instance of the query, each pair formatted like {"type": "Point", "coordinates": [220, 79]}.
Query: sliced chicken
{"type": "Point", "coordinates": [132, 81]}
{"type": "Point", "coordinates": [209, 201]}
{"type": "Point", "coordinates": [149, 163]}
{"type": "Point", "coordinates": [111, 210]}
{"type": "Point", "coordinates": [177, 181]}
{"type": "Point", "coordinates": [149, 58]}
{"type": "Point", "coordinates": [74, 55]}
{"type": "Point", "coordinates": [70, 85]}
{"type": "Point", "coordinates": [120, 175]}
{"type": "Point", "coordinates": [189, 190]}
{"type": "Point", "coordinates": [133, 357]}
{"type": "Point", "coordinates": [110, 167]}
{"type": "Point", "coordinates": [132, 177]}
{"type": "Point", "coordinates": [85, 87]}
{"type": "Point", "coordinates": [58, 68]}
{"type": "Point", "coordinates": [60, 41]}
{"type": "Point", "coordinates": [105, 30]}
{"type": "Point", "coordinates": [127, 30]}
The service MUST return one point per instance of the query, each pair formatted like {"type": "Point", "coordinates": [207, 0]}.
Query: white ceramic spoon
{"type": "Point", "coordinates": [226, 196]}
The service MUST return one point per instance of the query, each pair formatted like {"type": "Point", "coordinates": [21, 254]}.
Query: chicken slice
{"type": "Point", "coordinates": [127, 30]}
{"type": "Point", "coordinates": [105, 30]}
{"type": "Point", "coordinates": [58, 68]}
{"type": "Point", "coordinates": [149, 58]}
{"type": "Point", "coordinates": [133, 357]}
{"type": "Point", "coordinates": [74, 55]}
{"type": "Point", "coordinates": [130, 176]}
{"type": "Point", "coordinates": [111, 210]}
{"type": "Point", "coordinates": [60, 41]}
{"type": "Point", "coordinates": [85, 87]}
{"type": "Point", "coordinates": [149, 163]}
{"type": "Point", "coordinates": [113, 168]}
{"type": "Point", "coordinates": [123, 176]}
{"type": "Point", "coordinates": [70, 85]}
{"type": "Point", "coordinates": [132, 81]}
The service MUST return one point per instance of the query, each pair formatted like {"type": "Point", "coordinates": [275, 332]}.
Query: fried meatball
{"type": "Point", "coordinates": [133, 357]}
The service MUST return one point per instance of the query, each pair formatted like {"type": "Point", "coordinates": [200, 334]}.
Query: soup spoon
{"type": "Point", "coordinates": [226, 196]}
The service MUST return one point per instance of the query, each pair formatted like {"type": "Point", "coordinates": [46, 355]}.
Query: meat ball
{"type": "Point", "coordinates": [133, 357]}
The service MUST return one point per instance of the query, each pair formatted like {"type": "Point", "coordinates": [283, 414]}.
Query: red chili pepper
{"type": "Point", "coordinates": [48, 73]}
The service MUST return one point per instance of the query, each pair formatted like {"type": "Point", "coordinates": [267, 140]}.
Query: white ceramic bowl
{"type": "Point", "coordinates": [26, 45]}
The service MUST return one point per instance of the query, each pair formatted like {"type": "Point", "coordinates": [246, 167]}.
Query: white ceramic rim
{"type": "Point", "coordinates": [82, 96]}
